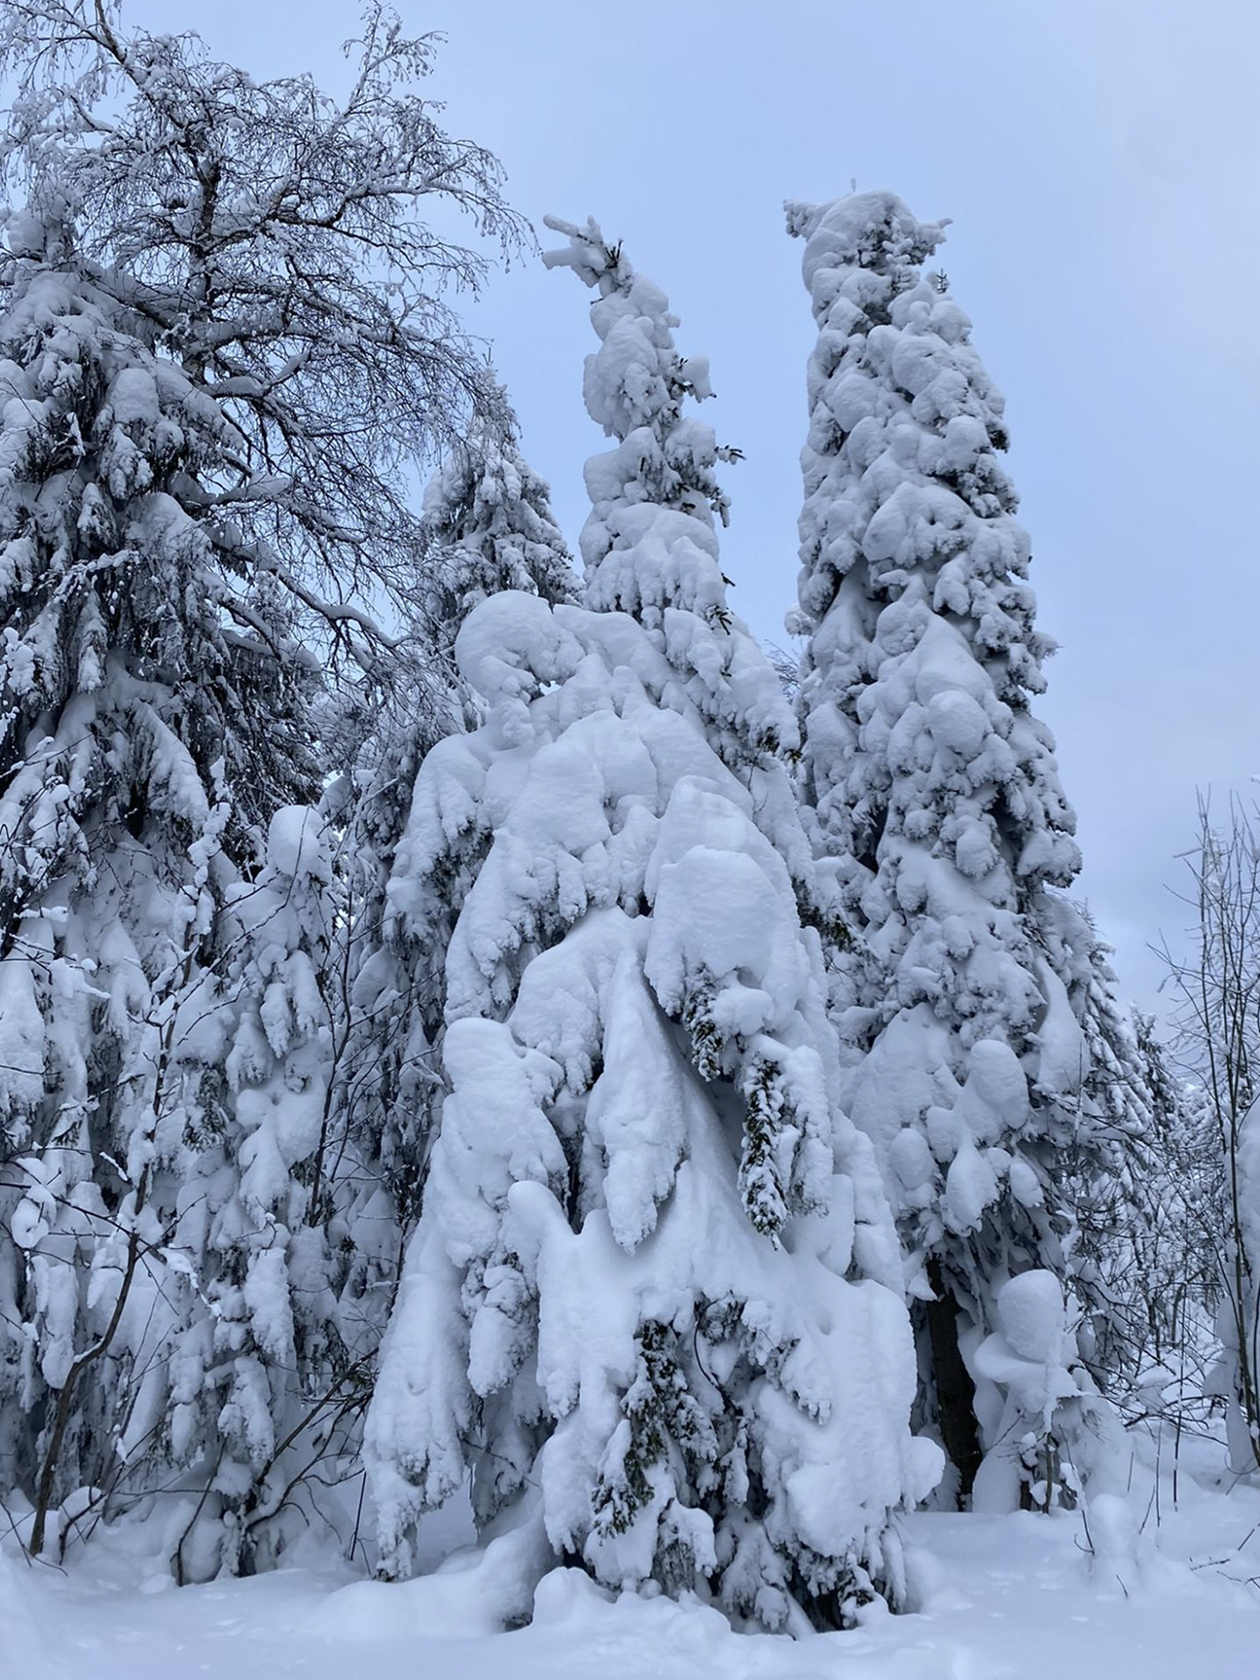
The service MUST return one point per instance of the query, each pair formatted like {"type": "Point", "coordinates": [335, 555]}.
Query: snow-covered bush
{"type": "Point", "coordinates": [654, 1298]}
{"type": "Point", "coordinates": [970, 1001]}
{"type": "Point", "coordinates": [1148, 1258]}
{"type": "Point", "coordinates": [1033, 1392]}
{"type": "Point", "coordinates": [271, 1367]}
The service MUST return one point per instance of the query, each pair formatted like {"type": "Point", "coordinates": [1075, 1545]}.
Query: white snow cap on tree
{"type": "Point", "coordinates": [653, 1301]}
{"type": "Point", "coordinates": [933, 790]}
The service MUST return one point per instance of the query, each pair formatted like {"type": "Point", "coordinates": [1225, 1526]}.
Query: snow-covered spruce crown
{"type": "Point", "coordinates": [637, 380]}
{"type": "Point", "coordinates": [649, 546]}
{"type": "Point", "coordinates": [862, 230]}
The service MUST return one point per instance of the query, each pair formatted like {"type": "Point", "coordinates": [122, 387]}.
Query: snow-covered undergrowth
{"type": "Point", "coordinates": [1146, 1589]}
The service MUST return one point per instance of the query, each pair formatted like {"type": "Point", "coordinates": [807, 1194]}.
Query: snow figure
{"type": "Point", "coordinates": [969, 1008]}
{"type": "Point", "coordinates": [142, 736]}
{"type": "Point", "coordinates": [1031, 1390]}
{"type": "Point", "coordinates": [653, 1302]}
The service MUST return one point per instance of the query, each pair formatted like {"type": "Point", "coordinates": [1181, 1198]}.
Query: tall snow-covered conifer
{"type": "Point", "coordinates": [654, 1298]}
{"type": "Point", "coordinates": [488, 527]}
{"type": "Point", "coordinates": [975, 1002]}
{"type": "Point", "coordinates": [211, 405]}
{"type": "Point", "coordinates": [142, 742]}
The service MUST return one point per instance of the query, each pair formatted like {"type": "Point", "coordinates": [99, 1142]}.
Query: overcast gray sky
{"type": "Point", "coordinates": [1100, 161]}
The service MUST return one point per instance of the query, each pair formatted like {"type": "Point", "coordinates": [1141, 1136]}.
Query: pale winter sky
{"type": "Point", "coordinates": [1100, 161]}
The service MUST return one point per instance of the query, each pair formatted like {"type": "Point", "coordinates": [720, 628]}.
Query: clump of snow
{"type": "Point", "coordinates": [474, 1592]}
{"type": "Point", "coordinates": [297, 844]}
{"type": "Point", "coordinates": [1049, 1408]}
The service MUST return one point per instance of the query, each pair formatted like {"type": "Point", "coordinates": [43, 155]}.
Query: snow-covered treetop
{"type": "Point", "coordinates": [649, 544]}
{"type": "Point", "coordinates": [635, 387]}
{"type": "Point", "coordinates": [488, 517]}
{"type": "Point", "coordinates": [935, 635]}
{"type": "Point", "coordinates": [872, 231]}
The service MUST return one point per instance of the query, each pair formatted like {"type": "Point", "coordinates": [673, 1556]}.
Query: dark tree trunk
{"type": "Point", "coordinates": [955, 1391]}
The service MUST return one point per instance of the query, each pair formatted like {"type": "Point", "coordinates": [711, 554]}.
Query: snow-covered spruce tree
{"type": "Point", "coordinates": [211, 401]}
{"type": "Point", "coordinates": [141, 742]}
{"type": "Point", "coordinates": [970, 1004]}
{"type": "Point", "coordinates": [488, 518]}
{"type": "Point", "coordinates": [488, 527]}
{"type": "Point", "coordinates": [653, 1302]}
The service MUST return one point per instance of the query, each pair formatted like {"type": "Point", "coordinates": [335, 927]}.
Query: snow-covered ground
{"type": "Point", "coordinates": [1018, 1595]}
